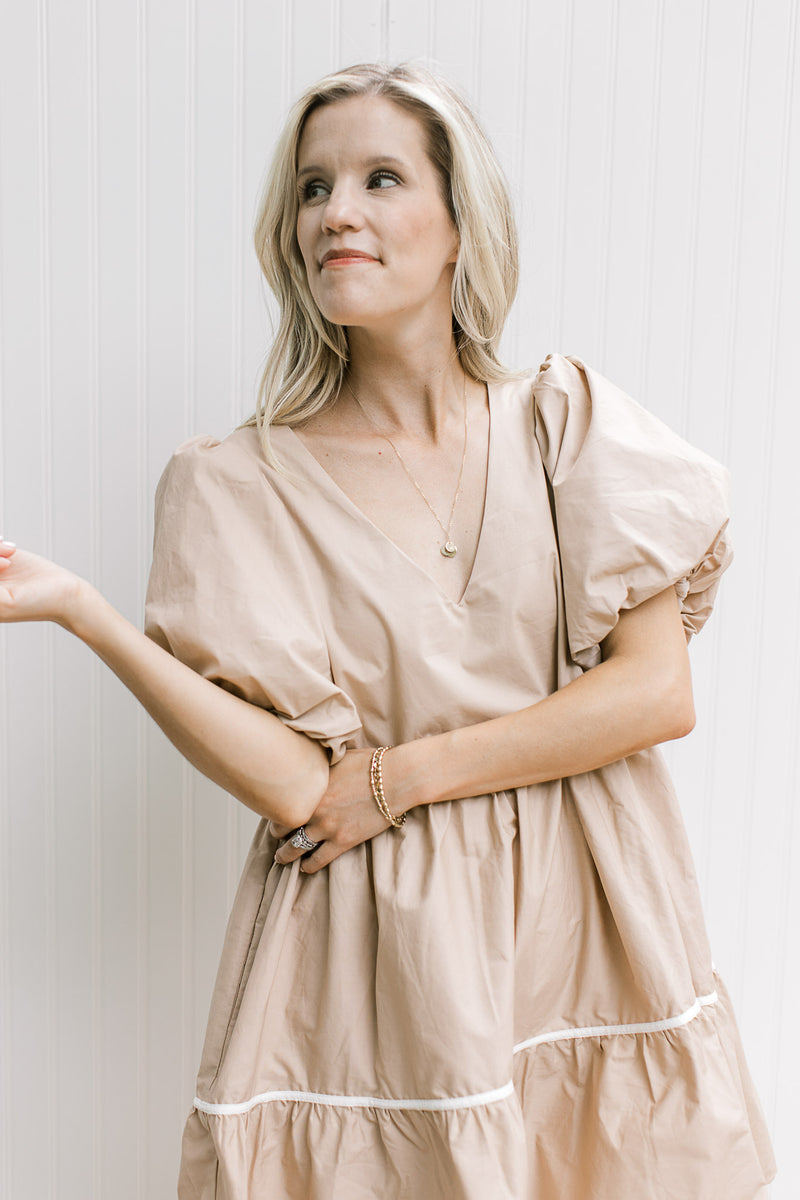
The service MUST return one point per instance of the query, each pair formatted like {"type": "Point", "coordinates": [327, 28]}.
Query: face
{"type": "Point", "coordinates": [376, 237]}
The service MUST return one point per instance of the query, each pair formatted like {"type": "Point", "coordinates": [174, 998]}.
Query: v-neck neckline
{"type": "Point", "coordinates": [350, 505]}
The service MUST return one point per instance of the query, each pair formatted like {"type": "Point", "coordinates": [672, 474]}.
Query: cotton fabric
{"type": "Point", "coordinates": [512, 996]}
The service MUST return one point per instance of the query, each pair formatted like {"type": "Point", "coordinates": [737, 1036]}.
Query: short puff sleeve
{"type": "Point", "coordinates": [636, 508]}
{"type": "Point", "coordinates": [228, 593]}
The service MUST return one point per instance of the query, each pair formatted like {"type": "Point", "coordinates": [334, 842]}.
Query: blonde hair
{"type": "Point", "coordinates": [308, 358]}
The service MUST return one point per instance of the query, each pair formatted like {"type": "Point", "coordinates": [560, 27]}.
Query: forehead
{"type": "Point", "coordinates": [367, 127]}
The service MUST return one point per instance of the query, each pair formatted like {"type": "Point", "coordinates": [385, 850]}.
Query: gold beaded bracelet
{"type": "Point", "coordinates": [376, 783]}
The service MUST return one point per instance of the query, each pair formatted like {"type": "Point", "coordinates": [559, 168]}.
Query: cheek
{"type": "Point", "coordinates": [306, 230]}
{"type": "Point", "coordinates": [435, 240]}
{"type": "Point", "coordinates": [302, 242]}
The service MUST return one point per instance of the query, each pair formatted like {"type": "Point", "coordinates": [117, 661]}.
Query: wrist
{"type": "Point", "coordinates": [81, 610]}
{"type": "Point", "coordinates": [411, 774]}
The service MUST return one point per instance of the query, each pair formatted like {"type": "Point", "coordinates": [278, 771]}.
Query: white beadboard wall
{"type": "Point", "coordinates": [653, 152]}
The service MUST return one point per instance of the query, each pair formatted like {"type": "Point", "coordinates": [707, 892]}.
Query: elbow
{"type": "Point", "coordinates": [300, 804]}
{"type": "Point", "coordinates": [676, 708]}
{"type": "Point", "coordinates": [293, 799]}
{"type": "Point", "coordinates": [683, 723]}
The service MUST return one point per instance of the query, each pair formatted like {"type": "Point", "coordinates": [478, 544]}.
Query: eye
{"type": "Point", "coordinates": [313, 189]}
{"type": "Point", "coordinates": [379, 180]}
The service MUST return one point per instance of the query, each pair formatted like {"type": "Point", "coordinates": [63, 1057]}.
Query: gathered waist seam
{"type": "Point", "coordinates": [451, 1103]}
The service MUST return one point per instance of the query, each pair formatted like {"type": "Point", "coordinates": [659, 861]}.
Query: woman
{"type": "Point", "coordinates": [447, 607]}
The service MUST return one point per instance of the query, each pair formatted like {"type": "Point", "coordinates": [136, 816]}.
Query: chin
{"type": "Point", "coordinates": [349, 314]}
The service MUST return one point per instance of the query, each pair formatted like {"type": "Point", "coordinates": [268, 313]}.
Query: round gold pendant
{"type": "Point", "coordinates": [449, 549]}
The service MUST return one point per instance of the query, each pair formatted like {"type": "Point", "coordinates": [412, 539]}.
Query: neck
{"type": "Point", "coordinates": [404, 387]}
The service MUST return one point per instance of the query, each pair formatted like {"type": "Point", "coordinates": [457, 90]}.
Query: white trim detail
{"type": "Point", "coordinates": [563, 1035]}
{"type": "Point", "coordinates": [451, 1103]}
{"type": "Point", "coordinates": [432, 1105]}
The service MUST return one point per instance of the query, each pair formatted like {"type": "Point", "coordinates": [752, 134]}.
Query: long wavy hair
{"type": "Point", "coordinates": [306, 363]}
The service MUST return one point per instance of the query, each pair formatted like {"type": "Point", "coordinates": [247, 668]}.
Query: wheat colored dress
{"type": "Point", "coordinates": [511, 997]}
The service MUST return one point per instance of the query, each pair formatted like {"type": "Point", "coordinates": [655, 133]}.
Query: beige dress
{"type": "Point", "coordinates": [512, 996]}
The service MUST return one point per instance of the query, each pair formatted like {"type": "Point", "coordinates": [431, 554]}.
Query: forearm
{"type": "Point", "coordinates": [595, 720]}
{"type": "Point", "coordinates": [640, 695]}
{"type": "Point", "coordinates": [279, 773]}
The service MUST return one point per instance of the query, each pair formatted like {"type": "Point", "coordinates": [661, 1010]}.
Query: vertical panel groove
{"type": "Point", "coordinates": [95, 724]}
{"type": "Point", "coordinates": [142, 808]}
{"type": "Point", "coordinates": [650, 203]}
{"type": "Point", "coordinates": [430, 31]}
{"type": "Point", "coordinates": [6, 1140]}
{"type": "Point", "coordinates": [730, 352]}
{"type": "Point", "coordinates": [520, 141]}
{"type": "Point", "coordinates": [48, 800]}
{"type": "Point", "coordinates": [476, 41]}
{"type": "Point", "coordinates": [237, 208]}
{"type": "Point", "coordinates": [786, 941]}
{"type": "Point", "coordinates": [687, 346]}
{"type": "Point", "coordinates": [607, 186]}
{"type": "Point", "coordinates": [559, 288]}
{"type": "Point", "coordinates": [712, 744]}
{"type": "Point", "coordinates": [336, 35]}
{"type": "Point", "coordinates": [786, 820]}
{"type": "Point", "coordinates": [287, 74]}
{"type": "Point", "coordinates": [232, 811]}
{"type": "Point", "coordinates": [188, 789]}
{"type": "Point", "coordinates": [736, 247]}
{"type": "Point", "coordinates": [384, 31]}
{"type": "Point", "coordinates": [520, 114]}
{"type": "Point", "coordinates": [734, 972]}
{"type": "Point", "coordinates": [712, 734]}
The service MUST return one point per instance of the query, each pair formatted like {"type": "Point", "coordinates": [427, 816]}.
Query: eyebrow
{"type": "Point", "coordinates": [383, 160]}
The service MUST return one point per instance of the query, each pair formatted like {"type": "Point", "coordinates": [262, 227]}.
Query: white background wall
{"type": "Point", "coordinates": [653, 151]}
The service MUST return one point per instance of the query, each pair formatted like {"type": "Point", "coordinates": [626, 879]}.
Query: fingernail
{"type": "Point", "coordinates": [13, 545]}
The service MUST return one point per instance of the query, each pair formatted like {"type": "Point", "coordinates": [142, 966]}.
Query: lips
{"type": "Point", "coordinates": [343, 253]}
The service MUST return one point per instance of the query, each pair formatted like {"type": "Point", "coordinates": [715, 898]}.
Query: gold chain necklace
{"type": "Point", "coordinates": [449, 549]}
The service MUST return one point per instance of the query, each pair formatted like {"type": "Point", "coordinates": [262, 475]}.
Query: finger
{"type": "Point", "coordinates": [287, 853]}
{"type": "Point", "coordinates": [322, 857]}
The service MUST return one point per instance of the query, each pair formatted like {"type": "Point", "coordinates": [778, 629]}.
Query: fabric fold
{"type": "Point", "coordinates": [637, 509]}
{"type": "Point", "coordinates": [227, 592]}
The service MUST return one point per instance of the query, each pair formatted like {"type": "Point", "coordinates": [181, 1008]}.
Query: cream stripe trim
{"type": "Point", "coordinates": [451, 1103]}
{"type": "Point", "coordinates": [563, 1035]}
{"type": "Point", "coordinates": [432, 1105]}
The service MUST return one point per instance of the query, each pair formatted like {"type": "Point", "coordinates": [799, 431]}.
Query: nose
{"type": "Point", "coordinates": [342, 209]}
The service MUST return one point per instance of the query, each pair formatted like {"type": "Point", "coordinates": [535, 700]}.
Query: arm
{"type": "Point", "coordinates": [639, 695]}
{"type": "Point", "coordinates": [279, 773]}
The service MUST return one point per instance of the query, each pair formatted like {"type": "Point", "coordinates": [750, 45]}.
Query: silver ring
{"type": "Point", "coordinates": [301, 841]}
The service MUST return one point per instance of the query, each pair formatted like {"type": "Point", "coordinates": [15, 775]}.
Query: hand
{"type": "Point", "coordinates": [346, 816]}
{"type": "Point", "coordinates": [35, 589]}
